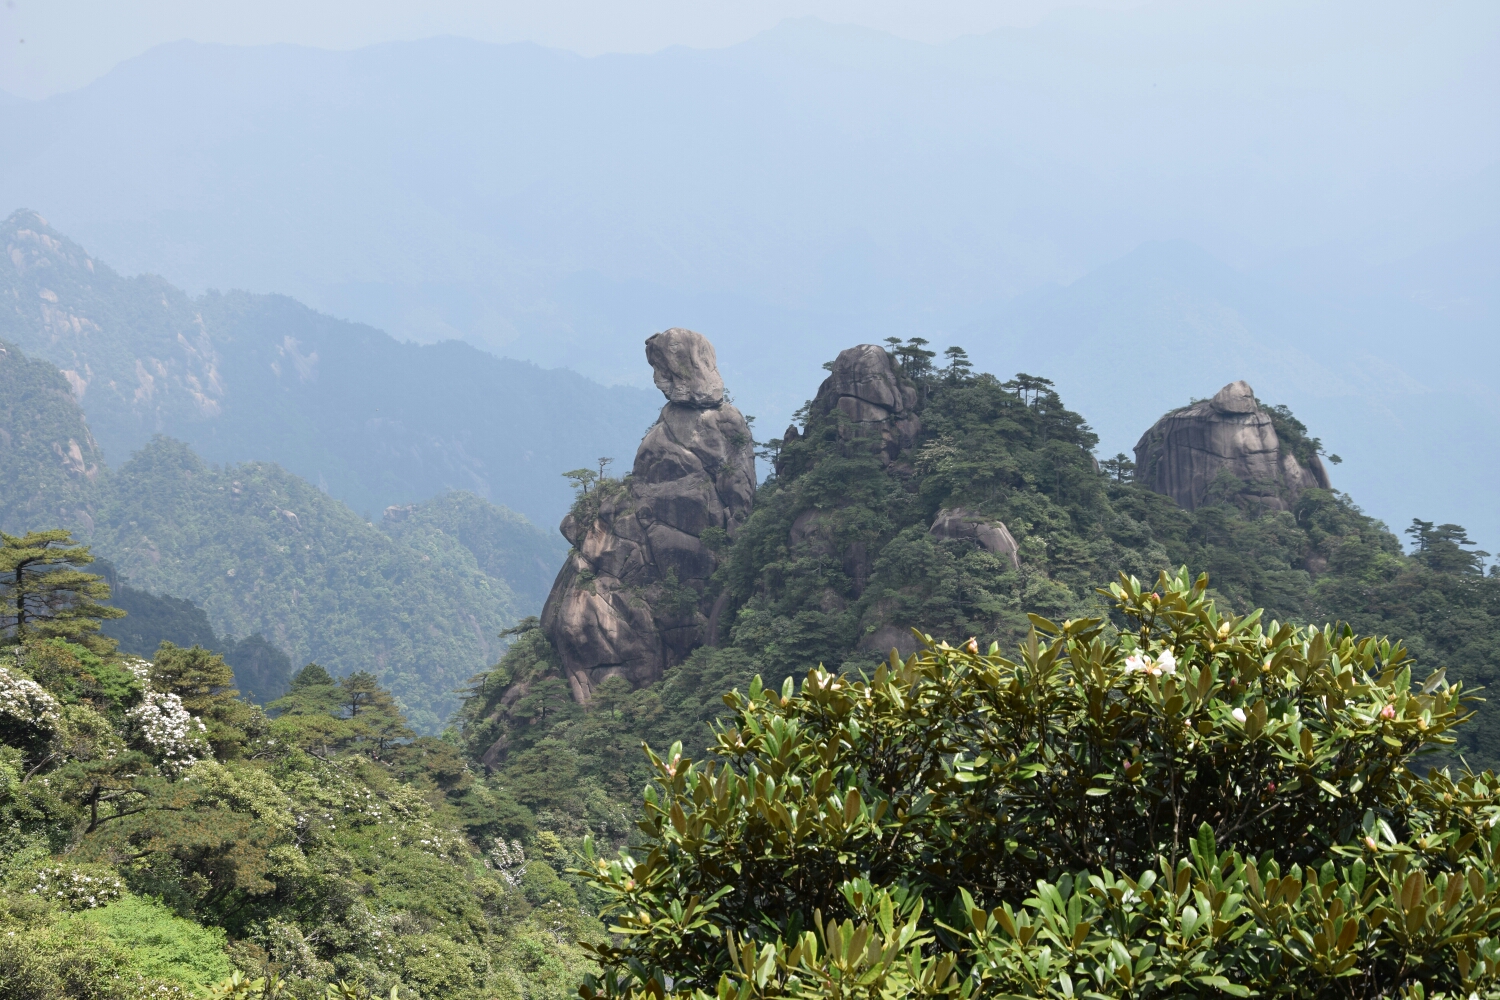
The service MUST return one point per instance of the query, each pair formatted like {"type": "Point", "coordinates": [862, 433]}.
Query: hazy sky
{"type": "Point", "coordinates": [51, 46]}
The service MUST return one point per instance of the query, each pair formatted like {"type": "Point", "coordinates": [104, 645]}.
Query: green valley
{"type": "Point", "coordinates": [265, 553]}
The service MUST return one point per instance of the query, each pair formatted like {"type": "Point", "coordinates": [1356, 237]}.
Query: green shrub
{"type": "Point", "coordinates": [1193, 804]}
{"type": "Point", "coordinates": [160, 944]}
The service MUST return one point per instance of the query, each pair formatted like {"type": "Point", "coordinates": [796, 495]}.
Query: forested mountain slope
{"type": "Point", "coordinates": [370, 420]}
{"type": "Point", "coordinates": [322, 848]}
{"type": "Point", "coordinates": [862, 534]}
{"type": "Point", "coordinates": [264, 552]}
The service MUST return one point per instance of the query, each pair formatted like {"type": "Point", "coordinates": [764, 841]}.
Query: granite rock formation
{"type": "Point", "coordinates": [866, 389]}
{"type": "Point", "coordinates": [632, 598]}
{"type": "Point", "coordinates": [1188, 449]}
{"type": "Point", "coordinates": [874, 412]}
{"type": "Point", "coordinates": [990, 533]}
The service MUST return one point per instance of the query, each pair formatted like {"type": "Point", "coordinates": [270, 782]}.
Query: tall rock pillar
{"type": "Point", "coordinates": [632, 599]}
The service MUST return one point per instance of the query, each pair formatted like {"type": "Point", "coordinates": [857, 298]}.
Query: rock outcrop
{"type": "Point", "coordinates": [990, 533]}
{"type": "Point", "coordinates": [874, 412]}
{"type": "Point", "coordinates": [865, 388]}
{"type": "Point", "coordinates": [632, 599]}
{"type": "Point", "coordinates": [1188, 449]}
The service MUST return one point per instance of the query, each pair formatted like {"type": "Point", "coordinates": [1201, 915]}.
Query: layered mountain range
{"type": "Point", "coordinates": [369, 420]}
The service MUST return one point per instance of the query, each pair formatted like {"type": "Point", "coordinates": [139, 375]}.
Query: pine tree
{"type": "Point", "coordinates": [44, 595]}
{"type": "Point", "coordinates": [1441, 547]}
{"type": "Point", "coordinates": [960, 369]}
{"type": "Point", "coordinates": [373, 710]}
{"type": "Point", "coordinates": [1120, 468]}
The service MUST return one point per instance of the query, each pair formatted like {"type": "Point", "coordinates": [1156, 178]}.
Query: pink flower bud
{"type": "Point", "coordinates": [1389, 712]}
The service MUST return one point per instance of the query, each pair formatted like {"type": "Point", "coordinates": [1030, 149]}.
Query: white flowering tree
{"type": "Point", "coordinates": [28, 714]}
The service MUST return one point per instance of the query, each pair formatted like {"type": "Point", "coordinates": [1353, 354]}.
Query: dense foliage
{"type": "Point", "coordinates": [1193, 804]}
{"type": "Point", "coordinates": [265, 552]}
{"type": "Point", "coordinates": [160, 835]}
{"type": "Point", "coordinates": [261, 670]}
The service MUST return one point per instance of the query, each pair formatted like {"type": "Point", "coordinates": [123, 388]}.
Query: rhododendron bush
{"type": "Point", "coordinates": [1174, 801]}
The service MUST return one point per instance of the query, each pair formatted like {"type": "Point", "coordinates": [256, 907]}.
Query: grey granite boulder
{"type": "Point", "coordinates": [990, 533]}
{"type": "Point", "coordinates": [1189, 448]}
{"type": "Point", "coordinates": [685, 368]}
{"type": "Point", "coordinates": [632, 599]}
{"type": "Point", "coordinates": [866, 391]}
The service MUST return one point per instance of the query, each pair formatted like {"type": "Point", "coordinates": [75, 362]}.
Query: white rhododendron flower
{"type": "Point", "coordinates": [24, 699]}
{"type": "Point", "coordinates": [1239, 715]}
{"type": "Point", "coordinates": [1166, 663]}
{"type": "Point", "coordinates": [172, 732]}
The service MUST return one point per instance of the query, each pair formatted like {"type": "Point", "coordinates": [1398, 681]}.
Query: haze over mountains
{"type": "Point", "coordinates": [1311, 190]}
{"type": "Point", "coordinates": [370, 420]}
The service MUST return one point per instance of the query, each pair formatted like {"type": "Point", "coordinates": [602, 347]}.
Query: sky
{"type": "Point", "coordinates": [53, 46]}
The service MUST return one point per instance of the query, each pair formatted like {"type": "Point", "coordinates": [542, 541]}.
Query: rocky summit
{"type": "Point", "coordinates": [1188, 450]}
{"type": "Point", "coordinates": [632, 598]}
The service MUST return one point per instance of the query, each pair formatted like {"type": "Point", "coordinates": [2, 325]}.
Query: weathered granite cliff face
{"type": "Point", "coordinates": [1186, 450]}
{"type": "Point", "coordinates": [864, 386]}
{"type": "Point", "coordinates": [632, 598]}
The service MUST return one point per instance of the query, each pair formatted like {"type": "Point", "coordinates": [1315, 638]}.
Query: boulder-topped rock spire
{"type": "Point", "coordinates": [685, 368]}
{"type": "Point", "coordinates": [1186, 450]}
{"type": "Point", "coordinates": [632, 599]}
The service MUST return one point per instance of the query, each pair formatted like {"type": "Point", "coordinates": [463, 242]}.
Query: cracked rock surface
{"type": "Point", "coordinates": [633, 598]}
{"type": "Point", "coordinates": [1188, 449]}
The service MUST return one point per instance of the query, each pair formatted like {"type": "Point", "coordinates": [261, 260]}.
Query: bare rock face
{"type": "Point", "coordinates": [1186, 450]}
{"type": "Point", "coordinates": [632, 600]}
{"type": "Point", "coordinates": [866, 390]}
{"type": "Point", "coordinates": [990, 533]}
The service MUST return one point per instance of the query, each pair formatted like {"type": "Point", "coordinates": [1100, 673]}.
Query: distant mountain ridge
{"type": "Point", "coordinates": [262, 551]}
{"type": "Point", "coordinates": [372, 421]}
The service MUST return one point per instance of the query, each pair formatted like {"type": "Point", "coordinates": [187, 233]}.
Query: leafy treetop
{"type": "Point", "coordinates": [44, 595]}
{"type": "Point", "coordinates": [1197, 804]}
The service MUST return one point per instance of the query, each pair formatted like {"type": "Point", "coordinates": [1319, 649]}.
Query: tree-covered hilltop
{"type": "Point", "coordinates": [371, 420]}
{"type": "Point", "coordinates": [263, 552]}
{"type": "Point", "coordinates": [49, 462]}
{"type": "Point", "coordinates": [845, 552]}
{"type": "Point", "coordinates": [266, 552]}
{"type": "Point", "coordinates": [503, 544]}
{"type": "Point", "coordinates": [161, 836]}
